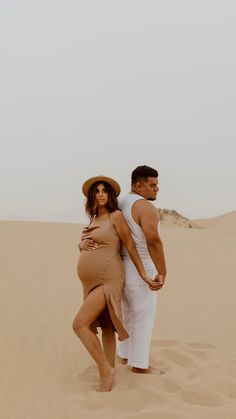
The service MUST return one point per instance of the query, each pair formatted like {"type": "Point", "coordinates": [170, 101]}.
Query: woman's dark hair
{"type": "Point", "coordinates": [91, 207]}
{"type": "Point", "coordinates": [142, 173]}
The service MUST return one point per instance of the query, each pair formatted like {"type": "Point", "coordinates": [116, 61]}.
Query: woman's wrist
{"type": "Point", "coordinates": [145, 277]}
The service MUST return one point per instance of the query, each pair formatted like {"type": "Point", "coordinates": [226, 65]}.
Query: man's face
{"type": "Point", "coordinates": [148, 188]}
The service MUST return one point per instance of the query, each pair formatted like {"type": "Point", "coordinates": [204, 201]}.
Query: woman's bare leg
{"type": "Point", "coordinates": [109, 344]}
{"type": "Point", "coordinates": [92, 307]}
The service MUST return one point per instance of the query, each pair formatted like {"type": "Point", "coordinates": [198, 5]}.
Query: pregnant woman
{"type": "Point", "coordinates": [101, 272]}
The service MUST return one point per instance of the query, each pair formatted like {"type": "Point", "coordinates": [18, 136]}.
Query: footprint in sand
{"type": "Point", "coordinates": [168, 385]}
{"type": "Point", "coordinates": [216, 389]}
{"type": "Point", "coordinates": [187, 355]}
{"type": "Point", "coordinates": [164, 343]}
{"type": "Point", "coordinates": [198, 345]}
{"type": "Point", "coordinates": [227, 388]}
{"type": "Point", "coordinates": [184, 361]}
{"type": "Point", "coordinates": [202, 399]}
{"type": "Point", "coordinates": [201, 355]}
{"type": "Point", "coordinates": [199, 350]}
{"type": "Point", "coordinates": [89, 375]}
{"type": "Point", "coordinates": [177, 357]}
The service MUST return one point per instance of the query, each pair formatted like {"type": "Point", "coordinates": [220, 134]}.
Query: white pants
{"type": "Point", "coordinates": [138, 311]}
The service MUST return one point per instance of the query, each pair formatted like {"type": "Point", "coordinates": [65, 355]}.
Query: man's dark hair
{"type": "Point", "coordinates": [142, 173]}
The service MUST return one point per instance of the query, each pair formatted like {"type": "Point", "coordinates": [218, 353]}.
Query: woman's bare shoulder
{"type": "Point", "coordinates": [116, 215]}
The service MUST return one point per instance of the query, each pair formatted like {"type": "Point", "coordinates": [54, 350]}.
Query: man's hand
{"type": "Point", "coordinates": [87, 244]}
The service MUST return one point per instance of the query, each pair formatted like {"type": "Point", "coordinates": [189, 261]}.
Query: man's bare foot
{"type": "Point", "coordinates": [106, 380]}
{"type": "Point", "coordinates": [149, 370]}
{"type": "Point", "coordinates": [124, 361]}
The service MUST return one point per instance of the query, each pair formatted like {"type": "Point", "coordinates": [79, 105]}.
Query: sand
{"type": "Point", "coordinates": [45, 371]}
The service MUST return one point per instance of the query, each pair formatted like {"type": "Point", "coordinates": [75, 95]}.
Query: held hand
{"type": "Point", "coordinates": [155, 286]}
{"type": "Point", "coordinates": [87, 244]}
{"type": "Point", "coordinates": [160, 280]}
{"type": "Point", "coordinates": [152, 284]}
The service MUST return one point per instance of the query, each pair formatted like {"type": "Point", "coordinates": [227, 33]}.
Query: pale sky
{"type": "Point", "coordinates": [100, 87]}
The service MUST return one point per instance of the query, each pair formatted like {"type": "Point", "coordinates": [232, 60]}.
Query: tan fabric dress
{"type": "Point", "coordinates": [103, 266]}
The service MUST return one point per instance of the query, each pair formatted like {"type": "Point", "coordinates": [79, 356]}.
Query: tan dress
{"type": "Point", "coordinates": [103, 266]}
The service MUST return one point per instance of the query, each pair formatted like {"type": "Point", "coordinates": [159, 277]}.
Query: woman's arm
{"type": "Point", "coordinates": [124, 233]}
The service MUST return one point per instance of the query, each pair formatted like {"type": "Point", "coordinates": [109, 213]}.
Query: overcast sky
{"type": "Point", "coordinates": [102, 86]}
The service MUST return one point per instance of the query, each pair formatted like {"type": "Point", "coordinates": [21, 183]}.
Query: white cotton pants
{"type": "Point", "coordinates": [138, 311]}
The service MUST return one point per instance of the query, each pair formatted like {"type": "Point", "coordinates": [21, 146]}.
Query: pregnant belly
{"type": "Point", "coordinates": [91, 264]}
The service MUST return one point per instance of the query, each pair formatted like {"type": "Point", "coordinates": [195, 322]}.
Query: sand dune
{"type": "Point", "coordinates": [171, 218]}
{"type": "Point", "coordinates": [46, 373]}
{"type": "Point", "coordinates": [225, 222]}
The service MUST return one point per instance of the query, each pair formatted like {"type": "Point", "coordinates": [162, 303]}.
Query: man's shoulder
{"type": "Point", "coordinates": [144, 203]}
{"type": "Point", "coordinates": [129, 199]}
{"type": "Point", "coordinates": [145, 208]}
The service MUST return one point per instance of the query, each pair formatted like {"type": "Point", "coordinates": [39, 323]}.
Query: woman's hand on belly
{"type": "Point", "coordinates": [88, 244]}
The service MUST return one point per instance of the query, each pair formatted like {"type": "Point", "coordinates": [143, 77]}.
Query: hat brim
{"type": "Point", "coordinates": [88, 183]}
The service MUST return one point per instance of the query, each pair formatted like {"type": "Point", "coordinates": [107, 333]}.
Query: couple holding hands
{"type": "Point", "coordinates": [121, 266]}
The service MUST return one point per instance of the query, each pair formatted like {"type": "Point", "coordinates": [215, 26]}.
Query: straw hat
{"type": "Point", "coordinates": [101, 178]}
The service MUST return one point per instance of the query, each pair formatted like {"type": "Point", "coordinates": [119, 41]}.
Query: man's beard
{"type": "Point", "coordinates": [151, 199]}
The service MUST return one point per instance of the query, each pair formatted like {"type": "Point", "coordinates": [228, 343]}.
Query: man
{"type": "Point", "coordinates": [139, 301]}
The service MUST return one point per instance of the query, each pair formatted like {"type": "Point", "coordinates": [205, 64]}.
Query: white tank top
{"type": "Point", "coordinates": [126, 205]}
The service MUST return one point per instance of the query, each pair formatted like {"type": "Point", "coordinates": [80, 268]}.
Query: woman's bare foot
{"type": "Point", "coordinates": [149, 370]}
{"type": "Point", "coordinates": [106, 380]}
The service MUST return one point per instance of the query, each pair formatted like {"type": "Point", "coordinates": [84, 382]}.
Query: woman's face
{"type": "Point", "coordinates": [101, 195]}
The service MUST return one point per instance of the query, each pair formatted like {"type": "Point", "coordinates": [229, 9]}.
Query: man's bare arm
{"type": "Point", "coordinates": [148, 218]}
{"type": "Point", "coordinates": [124, 233]}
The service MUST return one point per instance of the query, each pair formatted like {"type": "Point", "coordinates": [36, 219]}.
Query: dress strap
{"type": "Point", "coordinates": [110, 219]}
